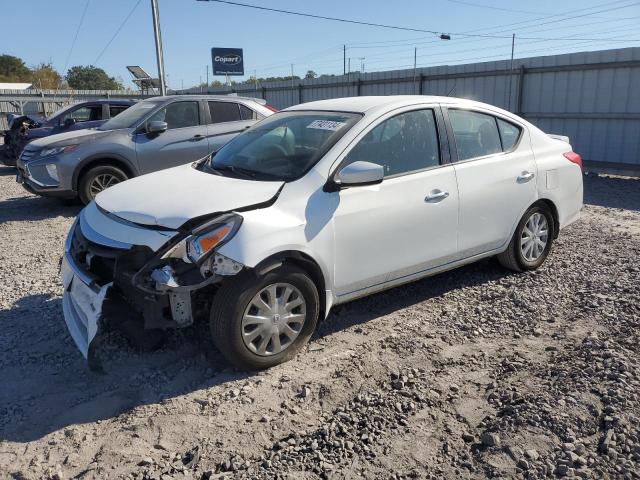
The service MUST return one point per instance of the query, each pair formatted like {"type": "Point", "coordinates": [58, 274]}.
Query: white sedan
{"type": "Point", "coordinates": [314, 206]}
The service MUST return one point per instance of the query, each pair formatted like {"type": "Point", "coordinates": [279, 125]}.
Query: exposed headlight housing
{"type": "Point", "coordinates": [48, 152]}
{"type": "Point", "coordinates": [205, 239]}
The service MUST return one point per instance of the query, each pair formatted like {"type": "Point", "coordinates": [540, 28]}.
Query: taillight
{"type": "Point", "coordinates": [574, 157]}
{"type": "Point", "coordinates": [273, 109]}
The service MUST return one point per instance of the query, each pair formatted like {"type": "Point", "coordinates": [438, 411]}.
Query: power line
{"type": "Point", "coordinates": [117, 32]}
{"type": "Point", "coordinates": [75, 37]}
{"type": "Point", "coordinates": [396, 27]}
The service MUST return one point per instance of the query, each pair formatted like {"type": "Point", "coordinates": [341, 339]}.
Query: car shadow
{"type": "Point", "coordinates": [6, 171]}
{"type": "Point", "coordinates": [612, 192]}
{"type": "Point", "coordinates": [32, 207]}
{"type": "Point", "coordinates": [47, 386]}
{"type": "Point", "coordinates": [369, 308]}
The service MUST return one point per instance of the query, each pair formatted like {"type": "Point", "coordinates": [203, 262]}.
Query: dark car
{"type": "Point", "coordinates": [25, 128]}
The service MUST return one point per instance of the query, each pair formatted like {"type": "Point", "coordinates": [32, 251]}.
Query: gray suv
{"type": "Point", "coordinates": [154, 134]}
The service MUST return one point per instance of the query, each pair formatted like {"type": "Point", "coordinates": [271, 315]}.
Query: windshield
{"type": "Point", "coordinates": [130, 116]}
{"type": "Point", "coordinates": [282, 147]}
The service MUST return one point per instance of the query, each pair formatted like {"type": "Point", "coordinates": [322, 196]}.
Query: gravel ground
{"type": "Point", "coordinates": [475, 373]}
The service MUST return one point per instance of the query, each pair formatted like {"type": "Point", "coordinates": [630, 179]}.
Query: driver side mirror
{"type": "Point", "coordinates": [356, 174]}
{"type": "Point", "coordinates": [68, 122]}
{"type": "Point", "coordinates": [156, 127]}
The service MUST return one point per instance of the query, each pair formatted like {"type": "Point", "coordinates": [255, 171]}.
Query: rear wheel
{"type": "Point", "coordinates": [98, 179]}
{"type": "Point", "coordinates": [260, 321]}
{"type": "Point", "coordinates": [531, 242]}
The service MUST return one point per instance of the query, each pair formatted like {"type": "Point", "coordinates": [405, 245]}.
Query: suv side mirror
{"type": "Point", "coordinates": [356, 174]}
{"type": "Point", "coordinates": [156, 127]}
{"type": "Point", "coordinates": [68, 122]}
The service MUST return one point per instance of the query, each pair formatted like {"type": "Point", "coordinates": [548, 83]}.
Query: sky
{"type": "Point", "coordinates": [114, 33]}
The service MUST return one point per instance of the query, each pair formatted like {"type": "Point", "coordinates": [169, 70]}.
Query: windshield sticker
{"type": "Point", "coordinates": [326, 125]}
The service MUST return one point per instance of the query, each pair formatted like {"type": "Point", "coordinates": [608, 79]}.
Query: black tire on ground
{"type": "Point", "coordinates": [85, 183]}
{"type": "Point", "coordinates": [231, 301]}
{"type": "Point", "coordinates": [512, 258]}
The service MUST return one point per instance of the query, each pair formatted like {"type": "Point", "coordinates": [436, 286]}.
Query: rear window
{"type": "Point", "coordinates": [509, 134]}
{"type": "Point", "coordinates": [222, 112]}
{"type": "Point", "coordinates": [246, 113]}
{"type": "Point", "coordinates": [476, 134]}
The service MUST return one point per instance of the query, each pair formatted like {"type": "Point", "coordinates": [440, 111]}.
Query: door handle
{"type": "Point", "coordinates": [197, 138]}
{"type": "Point", "coordinates": [525, 177]}
{"type": "Point", "coordinates": [436, 196]}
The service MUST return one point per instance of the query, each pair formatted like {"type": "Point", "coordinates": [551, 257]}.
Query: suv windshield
{"type": "Point", "coordinates": [130, 116]}
{"type": "Point", "coordinates": [282, 147]}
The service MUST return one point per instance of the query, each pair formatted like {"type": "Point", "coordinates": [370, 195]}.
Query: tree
{"type": "Point", "coordinates": [44, 76]}
{"type": "Point", "coordinates": [91, 78]}
{"type": "Point", "coordinates": [13, 69]}
{"type": "Point", "coordinates": [311, 74]}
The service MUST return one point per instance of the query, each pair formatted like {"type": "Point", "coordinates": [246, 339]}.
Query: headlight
{"type": "Point", "coordinates": [47, 152]}
{"type": "Point", "coordinates": [205, 239]}
{"type": "Point", "coordinates": [52, 170]}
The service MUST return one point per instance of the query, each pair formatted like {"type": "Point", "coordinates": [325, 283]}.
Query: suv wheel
{"type": "Point", "coordinates": [531, 242]}
{"type": "Point", "coordinates": [260, 321]}
{"type": "Point", "coordinates": [98, 179]}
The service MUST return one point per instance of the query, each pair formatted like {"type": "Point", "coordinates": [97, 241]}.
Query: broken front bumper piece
{"type": "Point", "coordinates": [81, 304]}
{"type": "Point", "coordinates": [99, 274]}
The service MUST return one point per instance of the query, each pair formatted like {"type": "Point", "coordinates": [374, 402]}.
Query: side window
{"type": "Point", "coordinates": [401, 144]}
{"type": "Point", "coordinates": [84, 114]}
{"type": "Point", "coordinates": [116, 109]}
{"type": "Point", "coordinates": [246, 113]}
{"type": "Point", "coordinates": [476, 134]}
{"type": "Point", "coordinates": [224, 112]}
{"type": "Point", "coordinates": [509, 133]}
{"type": "Point", "coordinates": [178, 115]}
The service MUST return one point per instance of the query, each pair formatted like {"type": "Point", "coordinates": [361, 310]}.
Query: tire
{"type": "Point", "coordinates": [235, 298]}
{"type": "Point", "coordinates": [517, 257]}
{"type": "Point", "coordinates": [105, 174]}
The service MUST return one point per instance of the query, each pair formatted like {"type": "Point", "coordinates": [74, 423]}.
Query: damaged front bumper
{"type": "Point", "coordinates": [106, 280]}
{"type": "Point", "coordinates": [82, 302]}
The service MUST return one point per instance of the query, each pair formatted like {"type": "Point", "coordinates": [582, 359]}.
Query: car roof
{"type": "Point", "coordinates": [111, 101]}
{"type": "Point", "coordinates": [365, 104]}
{"type": "Point", "coordinates": [229, 98]}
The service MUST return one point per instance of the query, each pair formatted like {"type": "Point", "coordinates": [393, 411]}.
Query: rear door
{"type": "Point", "coordinates": [85, 116]}
{"type": "Point", "coordinates": [184, 140]}
{"type": "Point", "coordinates": [495, 170]}
{"type": "Point", "coordinates": [226, 120]}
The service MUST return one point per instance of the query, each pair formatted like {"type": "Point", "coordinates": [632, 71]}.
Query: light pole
{"type": "Point", "coordinates": [159, 55]}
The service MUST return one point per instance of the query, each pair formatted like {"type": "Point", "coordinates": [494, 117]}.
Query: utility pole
{"type": "Point", "coordinates": [292, 87]}
{"type": "Point", "coordinates": [415, 57]}
{"type": "Point", "coordinates": [159, 54]}
{"type": "Point", "coordinates": [513, 44]}
{"type": "Point", "coordinates": [207, 78]}
{"type": "Point", "coordinates": [344, 60]}
{"type": "Point", "coordinates": [255, 80]}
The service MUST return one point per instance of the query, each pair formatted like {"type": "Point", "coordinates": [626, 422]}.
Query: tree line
{"type": "Point", "coordinates": [45, 76]}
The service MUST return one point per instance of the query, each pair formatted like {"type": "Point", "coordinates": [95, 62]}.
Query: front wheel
{"type": "Point", "coordinates": [531, 242]}
{"type": "Point", "coordinates": [258, 321]}
{"type": "Point", "coordinates": [98, 179]}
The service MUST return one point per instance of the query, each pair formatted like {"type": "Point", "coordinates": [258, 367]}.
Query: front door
{"type": "Point", "coordinates": [496, 177]}
{"type": "Point", "coordinates": [184, 141]}
{"type": "Point", "coordinates": [408, 223]}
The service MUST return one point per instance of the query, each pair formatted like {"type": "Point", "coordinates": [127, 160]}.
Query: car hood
{"type": "Point", "coordinates": [170, 198]}
{"type": "Point", "coordinates": [71, 138]}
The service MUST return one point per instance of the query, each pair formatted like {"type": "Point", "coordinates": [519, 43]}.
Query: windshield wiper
{"type": "Point", "coordinates": [240, 171]}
